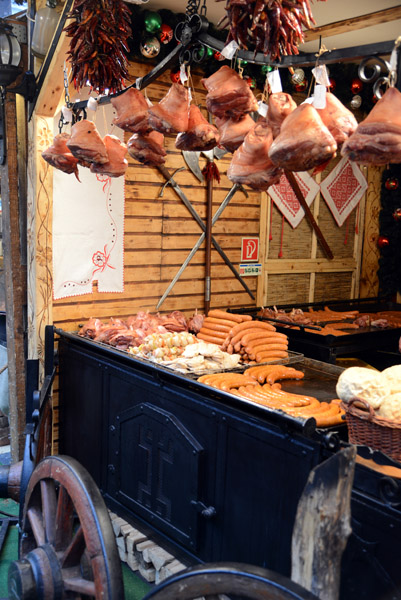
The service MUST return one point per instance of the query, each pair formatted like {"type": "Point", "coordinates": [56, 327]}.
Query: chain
{"type": "Point", "coordinates": [203, 8]}
{"type": "Point", "coordinates": [192, 8]}
{"type": "Point", "coordinates": [68, 102]}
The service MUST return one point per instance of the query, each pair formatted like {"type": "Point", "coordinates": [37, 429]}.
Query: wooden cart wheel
{"type": "Point", "coordinates": [67, 544]}
{"type": "Point", "coordinates": [226, 581]}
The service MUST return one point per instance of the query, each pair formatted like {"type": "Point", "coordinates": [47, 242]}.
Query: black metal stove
{"type": "Point", "coordinates": [216, 477]}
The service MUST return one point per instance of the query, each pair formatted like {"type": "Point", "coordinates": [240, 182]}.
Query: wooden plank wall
{"type": "Point", "coordinates": [160, 232]}
{"type": "Point", "coordinates": [295, 268]}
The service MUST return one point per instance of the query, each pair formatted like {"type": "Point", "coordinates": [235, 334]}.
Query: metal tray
{"type": "Point", "coordinates": [292, 357]}
{"type": "Point", "coordinates": [328, 347]}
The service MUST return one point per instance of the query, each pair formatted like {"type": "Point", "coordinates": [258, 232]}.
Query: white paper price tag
{"type": "Point", "coordinates": [262, 110]}
{"type": "Point", "coordinates": [67, 114]}
{"type": "Point", "coordinates": [92, 103]}
{"type": "Point", "coordinates": [321, 75]}
{"type": "Point", "coordinates": [274, 80]}
{"type": "Point", "coordinates": [393, 60]}
{"type": "Point", "coordinates": [229, 51]}
{"type": "Point", "coordinates": [319, 96]}
{"type": "Point", "coordinates": [183, 74]}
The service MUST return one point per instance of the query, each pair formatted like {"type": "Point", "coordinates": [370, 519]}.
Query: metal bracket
{"type": "Point", "coordinates": [26, 88]}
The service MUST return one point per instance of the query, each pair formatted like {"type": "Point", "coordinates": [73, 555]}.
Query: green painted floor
{"type": "Point", "coordinates": [135, 588]}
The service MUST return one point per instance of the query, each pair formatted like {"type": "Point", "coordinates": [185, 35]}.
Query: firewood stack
{"type": "Point", "coordinates": [142, 554]}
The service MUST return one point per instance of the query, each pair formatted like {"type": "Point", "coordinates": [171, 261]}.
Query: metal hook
{"type": "Point", "coordinates": [376, 64]}
{"type": "Point", "coordinates": [378, 84]}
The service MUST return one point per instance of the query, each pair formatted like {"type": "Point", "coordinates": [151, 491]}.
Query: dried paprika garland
{"type": "Point", "coordinates": [99, 33]}
{"type": "Point", "coordinates": [273, 27]}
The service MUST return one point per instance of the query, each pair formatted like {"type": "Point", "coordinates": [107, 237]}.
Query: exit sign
{"type": "Point", "coordinates": [250, 249]}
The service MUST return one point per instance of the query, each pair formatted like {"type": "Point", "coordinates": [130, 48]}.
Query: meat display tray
{"type": "Point", "coordinates": [240, 368]}
{"type": "Point", "coordinates": [327, 348]}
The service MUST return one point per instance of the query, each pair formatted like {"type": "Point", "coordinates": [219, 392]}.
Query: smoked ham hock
{"type": "Point", "coordinates": [201, 135]}
{"type": "Point", "coordinates": [117, 163]}
{"type": "Point", "coordinates": [338, 119]}
{"type": "Point", "coordinates": [170, 115]}
{"type": "Point", "coordinates": [280, 106]}
{"type": "Point", "coordinates": [147, 149]}
{"type": "Point", "coordinates": [59, 156]}
{"type": "Point", "coordinates": [228, 95]}
{"type": "Point", "coordinates": [232, 133]}
{"type": "Point", "coordinates": [304, 141]}
{"type": "Point", "coordinates": [377, 139]}
{"type": "Point", "coordinates": [132, 111]}
{"type": "Point", "coordinates": [86, 143]}
{"type": "Point", "coordinates": [251, 164]}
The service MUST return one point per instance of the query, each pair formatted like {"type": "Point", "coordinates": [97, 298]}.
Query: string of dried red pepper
{"type": "Point", "coordinates": [273, 27]}
{"type": "Point", "coordinates": [99, 33]}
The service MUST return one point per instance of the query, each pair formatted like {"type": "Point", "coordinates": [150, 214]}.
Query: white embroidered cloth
{"type": "Point", "coordinates": [343, 188]}
{"type": "Point", "coordinates": [286, 201]}
{"type": "Point", "coordinates": [88, 227]}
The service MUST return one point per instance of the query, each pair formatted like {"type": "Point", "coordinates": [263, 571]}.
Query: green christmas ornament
{"type": "Point", "coordinates": [150, 47]}
{"type": "Point", "coordinates": [242, 63]}
{"type": "Point", "coordinates": [266, 69]}
{"type": "Point", "coordinates": [153, 21]}
{"type": "Point", "coordinates": [209, 53]}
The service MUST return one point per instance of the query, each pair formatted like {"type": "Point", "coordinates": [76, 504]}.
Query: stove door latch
{"type": "Point", "coordinates": [208, 512]}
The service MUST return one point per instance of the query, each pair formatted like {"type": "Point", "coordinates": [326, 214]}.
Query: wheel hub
{"type": "Point", "coordinates": [37, 576]}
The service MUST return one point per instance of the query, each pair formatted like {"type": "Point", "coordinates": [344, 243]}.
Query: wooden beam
{"type": "Point", "coordinates": [51, 94]}
{"type": "Point", "coordinates": [15, 278]}
{"type": "Point", "coordinates": [313, 265]}
{"type": "Point", "coordinates": [353, 24]}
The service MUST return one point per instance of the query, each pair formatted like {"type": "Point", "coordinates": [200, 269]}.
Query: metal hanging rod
{"type": "Point", "coordinates": [193, 33]}
{"type": "Point", "coordinates": [299, 60]}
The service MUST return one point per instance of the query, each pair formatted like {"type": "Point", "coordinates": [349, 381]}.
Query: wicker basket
{"type": "Point", "coordinates": [368, 429]}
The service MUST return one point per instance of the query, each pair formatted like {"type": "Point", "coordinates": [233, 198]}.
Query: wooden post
{"type": "Point", "coordinates": [368, 281]}
{"type": "Point", "coordinates": [322, 525]}
{"type": "Point", "coordinates": [208, 243]}
{"type": "Point", "coordinates": [14, 243]}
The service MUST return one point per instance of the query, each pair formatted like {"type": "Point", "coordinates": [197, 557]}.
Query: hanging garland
{"type": "Point", "coordinates": [389, 240]}
{"type": "Point", "coordinates": [156, 40]}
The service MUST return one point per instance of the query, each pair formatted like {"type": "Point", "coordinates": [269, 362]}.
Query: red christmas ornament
{"type": "Point", "coordinates": [397, 214]}
{"type": "Point", "coordinates": [166, 34]}
{"type": "Point", "coordinates": [356, 86]}
{"type": "Point", "coordinates": [333, 84]}
{"type": "Point", "coordinates": [374, 99]}
{"type": "Point", "coordinates": [218, 56]}
{"type": "Point", "coordinates": [301, 87]}
{"type": "Point", "coordinates": [391, 183]}
{"type": "Point", "coordinates": [175, 77]}
{"type": "Point", "coordinates": [251, 82]}
{"type": "Point", "coordinates": [383, 241]}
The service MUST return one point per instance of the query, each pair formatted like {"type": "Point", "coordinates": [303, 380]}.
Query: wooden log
{"type": "Point", "coordinates": [322, 525]}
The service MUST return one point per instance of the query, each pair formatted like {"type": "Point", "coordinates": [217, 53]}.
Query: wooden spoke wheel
{"type": "Point", "coordinates": [226, 581]}
{"type": "Point", "coordinates": [67, 544]}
